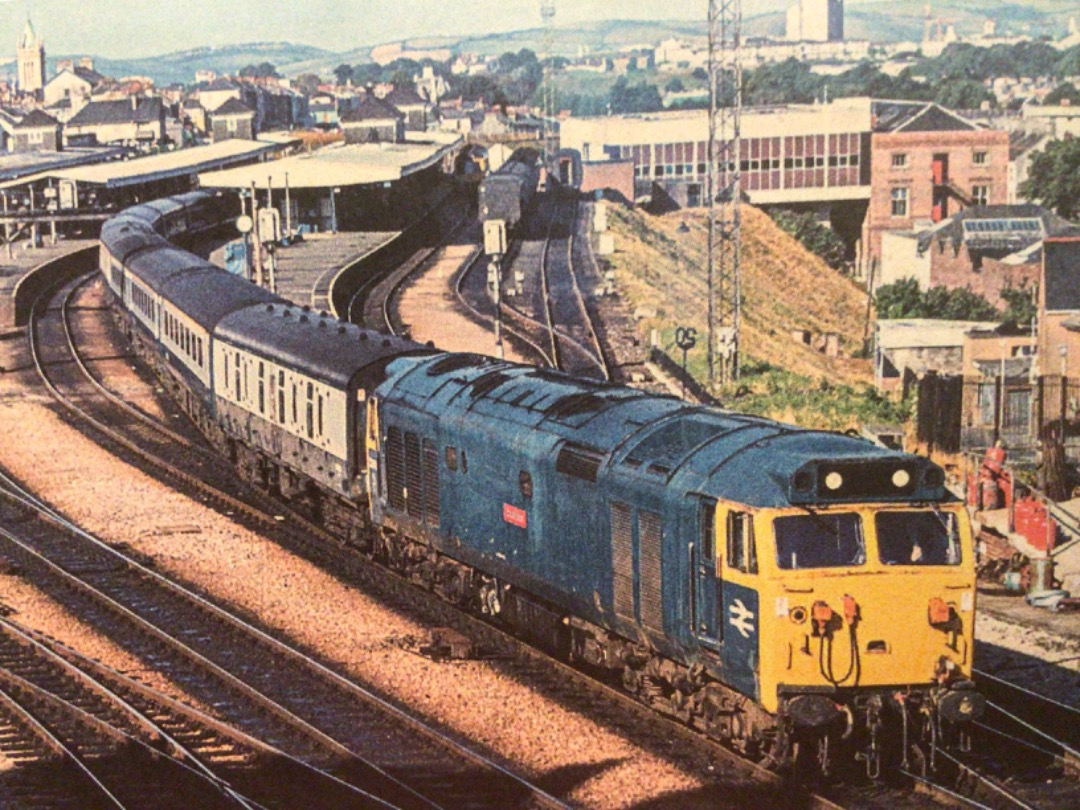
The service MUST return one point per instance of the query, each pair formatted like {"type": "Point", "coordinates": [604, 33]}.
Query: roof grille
{"type": "Point", "coordinates": [488, 383]}
{"type": "Point", "coordinates": [455, 362]}
{"type": "Point", "coordinates": [579, 462]}
{"type": "Point", "coordinates": [575, 405]}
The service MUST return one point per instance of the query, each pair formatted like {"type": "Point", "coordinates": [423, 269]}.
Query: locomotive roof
{"type": "Point", "coordinates": [660, 439]}
{"type": "Point", "coordinates": [206, 293]}
{"type": "Point", "coordinates": [312, 343]}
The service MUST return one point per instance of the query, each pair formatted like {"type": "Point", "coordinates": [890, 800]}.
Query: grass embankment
{"type": "Point", "coordinates": [663, 273]}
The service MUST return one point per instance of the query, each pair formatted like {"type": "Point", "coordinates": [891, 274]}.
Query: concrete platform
{"type": "Point", "coordinates": [306, 270]}
{"type": "Point", "coordinates": [24, 261]}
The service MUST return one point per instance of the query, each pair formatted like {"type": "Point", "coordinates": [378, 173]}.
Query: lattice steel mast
{"type": "Point", "coordinates": [724, 189]}
{"type": "Point", "coordinates": [547, 131]}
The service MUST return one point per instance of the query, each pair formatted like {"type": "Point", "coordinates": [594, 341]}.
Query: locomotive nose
{"type": "Point", "coordinates": [962, 704]}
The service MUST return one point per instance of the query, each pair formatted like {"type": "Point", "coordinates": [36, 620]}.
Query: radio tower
{"type": "Point", "coordinates": [724, 189]}
{"type": "Point", "coordinates": [547, 126]}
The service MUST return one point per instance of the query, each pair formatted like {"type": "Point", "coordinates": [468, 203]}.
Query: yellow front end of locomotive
{"type": "Point", "coordinates": [864, 597]}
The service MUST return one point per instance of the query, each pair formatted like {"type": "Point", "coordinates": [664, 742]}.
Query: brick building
{"type": "Point", "coordinates": [373, 120]}
{"type": "Point", "coordinates": [927, 164]}
{"type": "Point", "coordinates": [233, 119]}
{"type": "Point", "coordinates": [37, 132]}
{"type": "Point", "coordinates": [984, 249]}
{"type": "Point", "coordinates": [1059, 306]}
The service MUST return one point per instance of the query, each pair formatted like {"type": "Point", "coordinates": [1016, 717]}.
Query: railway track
{"type": "Point", "coordinates": [564, 683]}
{"type": "Point", "coordinates": [370, 303]}
{"type": "Point", "coordinates": [267, 686]}
{"type": "Point", "coordinates": [616, 709]}
{"type": "Point", "coordinates": [115, 730]}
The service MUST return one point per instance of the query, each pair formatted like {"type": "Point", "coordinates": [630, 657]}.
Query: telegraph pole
{"type": "Point", "coordinates": [724, 190]}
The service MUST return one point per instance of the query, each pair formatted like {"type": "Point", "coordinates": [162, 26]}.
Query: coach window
{"type": "Point", "coordinates": [236, 393]}
{"type": "Point", "coordinates": [295, 396]}
{"type": "Point", "coordinates": [262, 389]}
{"type": "Point", "coordinates": [310, 411]}
{"type": "Point", "coordinates": [320, 414]}
{"type": "Point", "coordinates": [741, 547]}
{"type": "Point", "coordinates": [226, 370]}
{"type": "Point", "coordinates": [281, 397]}
{"type": "Point", "coordinates": [451, 459]}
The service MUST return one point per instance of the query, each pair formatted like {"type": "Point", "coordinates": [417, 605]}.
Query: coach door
{"type": "Point", "coordinates": [704, 576]}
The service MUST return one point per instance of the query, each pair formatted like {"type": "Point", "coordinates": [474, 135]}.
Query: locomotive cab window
{"type": "Point", "coordinates": [451, 459]}
{"type": "Point", "coordinates": [741, 546]}
{"type": "Point", "coordinates": [707, 530]}
{"type": "Point", "coordinates": [525, 484]}
{"type": "Point", "coordinates": [819, 540]}
{"type": "Point", "coordinates": [924, 537]}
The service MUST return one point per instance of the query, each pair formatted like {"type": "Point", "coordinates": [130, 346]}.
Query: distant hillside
{"type": "Point", "coordinates": [181, 65]}
{"type": "Point", "coordinates": [608, 35]}
{"type": "Point", "coordinates": [876, 20]}
{"type": "Point", "coordinates": [902, 20]}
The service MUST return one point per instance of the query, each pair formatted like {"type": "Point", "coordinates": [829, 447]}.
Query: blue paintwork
{"type": "Point", "coordinates": [741, 616]}
{"type": "Point", "coordinates": [657, 454]}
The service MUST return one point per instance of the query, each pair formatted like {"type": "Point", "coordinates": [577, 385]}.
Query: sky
{"type": "Point", "coordinates": [135, 28]}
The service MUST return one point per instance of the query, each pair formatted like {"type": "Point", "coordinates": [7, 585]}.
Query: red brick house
{"type": "Point", "coordinates": [928, 164]}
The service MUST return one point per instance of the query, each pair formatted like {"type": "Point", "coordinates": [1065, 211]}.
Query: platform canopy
{"type": "Point", "coordinates": [162, 166]}
{"type": "Point", "coordinates": [342, 165]}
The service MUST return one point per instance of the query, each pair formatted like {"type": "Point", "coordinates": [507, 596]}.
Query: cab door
{"type": "Point", "coordinates": [739, 604]}
{"type": "Point", "coordinates": [704, 577]}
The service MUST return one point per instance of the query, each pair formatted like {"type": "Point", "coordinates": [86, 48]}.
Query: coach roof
{"type": "Point", "coordinates": [312, 343]}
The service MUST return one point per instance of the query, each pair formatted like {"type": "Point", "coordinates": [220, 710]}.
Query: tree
{"type": "Point", "coordinates": [962, 94]}
{"type": "Point", "coordinates": [308, 83]}
{"type": "Point", "coordinates": [903, 299]}
{"type": "Point", "coordinates": [1066, 91]}
{"type": "Point", "coordinates": [675, 86]}
{"type": "Point", "coordinates": [344, 73]}
{"type": "Point", "coordinates": [1054, 178]}
{"type": "Point", "coordinates": [633, 98]}
{"type": "Point", "coordinates": [789, 82]}
{"type": "Point", "coordinates": [815, 237]}
{"type": "Point", "coordinates": [1021, 308]}
{"type": "Point", "coordinates": [263, 70]}
{"type": "Point", "coordinates": [700, 74]}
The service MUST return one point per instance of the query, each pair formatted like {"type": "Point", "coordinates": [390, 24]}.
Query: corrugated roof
{"type": "Point", "coordinates": [115, 174]}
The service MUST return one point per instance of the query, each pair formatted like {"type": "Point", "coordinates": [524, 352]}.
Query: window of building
{"type": "Point", "coordinates": [899, 160]}
{"type": "Point", "coordinates": [980, 195]}
{"type": "Point", "coordinates": [979, 158]}
{"type": "Point", "coordinates": [900, 202]}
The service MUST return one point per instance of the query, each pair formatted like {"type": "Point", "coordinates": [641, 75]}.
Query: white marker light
{"type": "Point", "coordinates": [834, 481]}
{"type": "Point", "coordinates": [901, 478]}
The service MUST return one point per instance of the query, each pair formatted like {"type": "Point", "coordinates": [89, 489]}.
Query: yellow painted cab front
{"type": "Point", "coordinates": [860, 596]}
